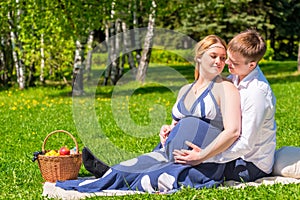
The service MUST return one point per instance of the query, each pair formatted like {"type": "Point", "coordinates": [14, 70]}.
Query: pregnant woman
{"type": "Point", "coordinates": [206, 113]}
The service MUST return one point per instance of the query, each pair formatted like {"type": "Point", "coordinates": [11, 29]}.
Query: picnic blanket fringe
{"type": "Point", "coordinates": [51, 191]}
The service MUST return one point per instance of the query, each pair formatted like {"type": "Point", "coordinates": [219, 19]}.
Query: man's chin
{"type": "Point", "coordinates": [231, 71]}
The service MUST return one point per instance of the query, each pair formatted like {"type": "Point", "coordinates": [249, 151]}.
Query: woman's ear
{"type": "Point", "coordinates": [199, 60]}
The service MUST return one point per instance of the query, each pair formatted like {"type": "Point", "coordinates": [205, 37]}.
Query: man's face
{"type": "Point", "coordinates": [238, 65]}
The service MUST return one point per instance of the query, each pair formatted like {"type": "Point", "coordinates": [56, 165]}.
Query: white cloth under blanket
{"type": "Point", "coordinates": [262, 181]}
{"type": "Point", "coordinates": [50, 191]}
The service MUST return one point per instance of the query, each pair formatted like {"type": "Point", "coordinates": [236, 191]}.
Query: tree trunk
{"type": "Point", "coordinates": [20, 68]}
{"type": "Point", "coordinates": [7, 62]}
{"type": "Point", "coordinates": [42, 78]}
{"type": "Point", "coordinates": [127, 53]}
{"type": "Point", "coordinates": [137, 42]}
{"type": "Point", "coordinates": [108, 64]}
{"type": "Point", "coordinates": [113, 42]}
{"type": "Point", "coordinates": [3, 70]}
{"type": "Point", "coordinates": [77, 82]}
{"type": "Point", "coordinates": [113, 55]}
{"type": "Point", "coordinates": [31, 77]}
{"type": "Point", "coordinates": [3, 77]}
{"type": "Point", "coordinates": [116, 71]}
{"type": "Point", "coordinates": [88, 65]}
{"type": "Point", "coordinates": [146, 54]}
{"type": "Point", "coordinates": [299, 56]}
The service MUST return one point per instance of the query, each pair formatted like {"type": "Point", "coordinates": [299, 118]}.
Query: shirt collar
{"type": "Point", "coordinates": [244, 83]}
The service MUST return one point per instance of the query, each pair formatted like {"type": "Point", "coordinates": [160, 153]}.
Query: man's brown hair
{"type": "Point", "coordinates": [249, 44]}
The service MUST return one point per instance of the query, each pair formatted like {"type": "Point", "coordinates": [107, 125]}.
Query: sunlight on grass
{"type": "Point", "coordinates": [28, 116]}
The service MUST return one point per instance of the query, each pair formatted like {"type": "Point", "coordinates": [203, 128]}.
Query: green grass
{"type": "Point", "coordinates": [28, 116]}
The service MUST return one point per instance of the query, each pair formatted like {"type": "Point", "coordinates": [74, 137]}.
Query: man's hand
{"type": "Point", "coordinates": [188, 157]}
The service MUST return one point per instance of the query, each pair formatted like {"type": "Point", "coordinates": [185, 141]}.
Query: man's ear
{"type": "Point", "coordinates": [252, 65]}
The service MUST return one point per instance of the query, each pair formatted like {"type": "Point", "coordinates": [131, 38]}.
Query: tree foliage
{"type": "Point", "coordinates": [46, 31]}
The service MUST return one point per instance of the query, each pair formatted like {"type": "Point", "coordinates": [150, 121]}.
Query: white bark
{"type": "Point", "coordinates": [108, 64]}
{"type": "Point", "coordinates": [114, 48]}
{"type": "Point", "coordinates": [126, 42]}
{"type": "Point", "coordinates": [20, 68]}
{"type": "Point", "coordinates": [136, 34]}
{"type": "Point", "coordinates": [88, 65]}
{"type": "Point", "coordinates": [112, 54]}
{"type": "Point", "coordinates": [3, 76]}
{"type": "Point", "coordinates": [42, 78]}
{"type": "Point", "coordinates": [146, 54]}
{"type": "Point", "coordinates": [118, 49]}
{"type": "Point", "coordinates": [78, 70]}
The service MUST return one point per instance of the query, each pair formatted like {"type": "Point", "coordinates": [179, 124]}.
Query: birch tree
{"type": "Point", "coordinates": [14, 18]}
{"type": "Point", "coordinates": [42, 76]}
{"type": "Point", "coordinates": [4, 63]}
{"type": "Point", "coordinates": [111, 29]}
{"type": "Point", "coordinates": [6, 60]}
{"type": "Point", "coordinates": [136, 32]}
{"type": "Point", "coordinates": [127, 53]}
{"type": "Point", "coordinates": [146, 54]}
{"type": "Point", "coordinates": [108, 64]}
{"type": "Point", "coordinates": [88, 60]}
{"type": "Point", "coordinates": [115, 54]}
{"type": "Point", "coordinates": [77, 83]}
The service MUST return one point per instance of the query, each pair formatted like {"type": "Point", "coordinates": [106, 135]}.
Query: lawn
{"type": "Point", "coordinates": [123, 121]}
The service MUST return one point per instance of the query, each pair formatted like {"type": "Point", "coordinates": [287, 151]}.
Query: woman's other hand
{"type": "Point", "coordinates": [164, 133]}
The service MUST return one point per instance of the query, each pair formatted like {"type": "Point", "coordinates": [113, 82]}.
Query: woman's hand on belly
{"type": "Point", "coordinates": [188, 157]}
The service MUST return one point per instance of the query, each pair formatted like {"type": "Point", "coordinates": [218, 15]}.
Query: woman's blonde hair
{"type": "Point", "coordinates": [202, 46]}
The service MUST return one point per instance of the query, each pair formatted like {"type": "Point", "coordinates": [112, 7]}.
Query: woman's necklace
{"type": "Point", "coordinates": [200, 89]}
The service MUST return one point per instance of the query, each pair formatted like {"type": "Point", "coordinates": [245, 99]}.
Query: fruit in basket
{"type": "Point", "coordinates": [52, 153]}
{"type": "Point", "coordinates": [64, 151]}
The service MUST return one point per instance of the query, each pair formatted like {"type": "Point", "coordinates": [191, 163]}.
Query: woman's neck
{"type": "Point", "coordinates": [200, 85]}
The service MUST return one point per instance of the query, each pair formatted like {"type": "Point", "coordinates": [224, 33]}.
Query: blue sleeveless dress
{"type": "Point", "coordinates": [156, 171]}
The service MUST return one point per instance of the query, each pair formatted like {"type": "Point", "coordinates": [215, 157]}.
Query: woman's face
{"type": "Point", "coordinates": [213, 60]}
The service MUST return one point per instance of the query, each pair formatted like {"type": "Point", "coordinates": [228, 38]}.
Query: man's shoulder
{"type": "Point", "coordinates": [260, 83]}
{"type": "Point", "coordinates": [258, 87]}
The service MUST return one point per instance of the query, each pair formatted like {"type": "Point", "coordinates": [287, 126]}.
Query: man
{"type": "Point", "coordinates": [252, 155]}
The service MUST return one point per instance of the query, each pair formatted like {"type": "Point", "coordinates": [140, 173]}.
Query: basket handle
{"type": "Point", "coordinates": [60, 131]}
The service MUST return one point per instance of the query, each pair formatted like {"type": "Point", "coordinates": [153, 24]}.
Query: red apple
{"type": "Point", "coordinates": [64, 151]}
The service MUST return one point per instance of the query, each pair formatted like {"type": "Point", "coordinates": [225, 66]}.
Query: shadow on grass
{"type": "Point", "coordinates": [187, 71]}
{"type": "Point", "coordinates": [275, 71]}
{"type": "Point", "coordinates": [278, 67]}
{"type": "Point", "coordinates": [147, 89]}
{"type": "Point", "coordinates": [284, 79]}
{"type": "Point", "coordinates": [281, 72]}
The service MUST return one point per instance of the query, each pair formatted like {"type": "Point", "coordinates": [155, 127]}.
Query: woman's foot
{"type": "Point", "coordinates": [93, 164]}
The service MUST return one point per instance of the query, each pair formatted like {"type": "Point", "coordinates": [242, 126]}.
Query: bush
{"type": "Point", "coordinates": [269, 52]}
{"type": "Point", "coordinates": [171, 57]}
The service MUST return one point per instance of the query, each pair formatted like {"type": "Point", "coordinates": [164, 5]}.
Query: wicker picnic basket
{"type": "Point", "coordinates": [54, 168]}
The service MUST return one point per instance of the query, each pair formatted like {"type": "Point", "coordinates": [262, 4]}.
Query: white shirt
{"type": "Point", "coordinates": [257, 142]}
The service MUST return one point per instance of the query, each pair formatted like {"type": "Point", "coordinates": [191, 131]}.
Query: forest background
{"type": "Point", "coordinates": [46, 40]}
{"type": "Point", "coordinates": [50, 48]}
